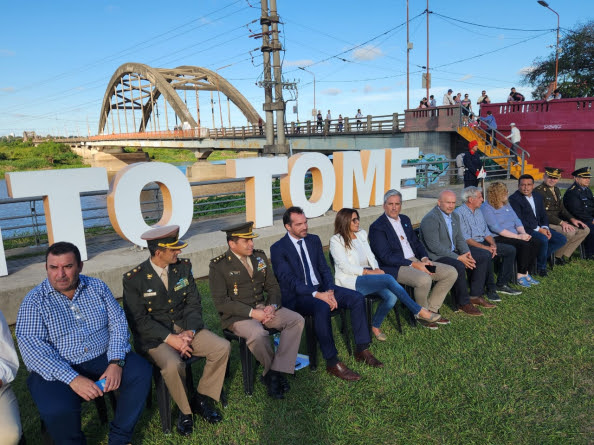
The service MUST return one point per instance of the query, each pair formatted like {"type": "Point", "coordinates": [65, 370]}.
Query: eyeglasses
{"type": "Point", "coordinates": [355, 220]}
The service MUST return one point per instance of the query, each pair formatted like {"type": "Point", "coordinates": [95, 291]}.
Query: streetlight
{"type": "Point", "coordinates": [314, 77]}
{"type": "Point", "coordinates": [546, 5]}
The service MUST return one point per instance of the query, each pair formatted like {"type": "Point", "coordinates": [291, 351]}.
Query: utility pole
{"type": "Point", "coordinates": [270, 26]}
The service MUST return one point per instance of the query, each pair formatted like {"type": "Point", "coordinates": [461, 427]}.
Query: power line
{"type": "Point", "coordinates": [489, 26]}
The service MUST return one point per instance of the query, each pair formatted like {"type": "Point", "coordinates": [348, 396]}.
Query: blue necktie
{"type": "Point", "coordinates": [305, 264]}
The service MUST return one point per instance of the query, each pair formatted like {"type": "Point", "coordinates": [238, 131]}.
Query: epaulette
{"type": "Point", "coordinates": [217, 259]}
{"type": "Point", "coordinates": [260, 250]}
{"type": "Point", "coordinates": [185, 260]}
{"type": "Point", "coordinates": [572, 187]}
{"type": "Point", "coordinates": [133, 272]}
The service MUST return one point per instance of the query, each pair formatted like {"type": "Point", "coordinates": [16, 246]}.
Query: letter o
{"type": "Point", "coordinates": [123, 199]}
{"type": "Point", "coordinates": [324, 183]}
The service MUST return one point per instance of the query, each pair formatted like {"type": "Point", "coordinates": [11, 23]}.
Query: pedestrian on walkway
{"type": "Point", "coordinates": [340, 125]}
{"type": "Point", "coordinates": [491, 126]}
{"type": "Point", "coordinates": [359, 116]}
{"type": "Point", "coordinates": [320, 122]}
{"type": "Point", "coordinates": [514, 138]}
{"type": "Point", "coordinates": [448, 99]}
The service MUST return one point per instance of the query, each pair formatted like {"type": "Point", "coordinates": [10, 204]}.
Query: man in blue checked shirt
{"type": "Point", "coordinates": [71, 333]}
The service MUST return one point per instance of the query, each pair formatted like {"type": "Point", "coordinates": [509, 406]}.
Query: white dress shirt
{"type": "Point", "coordinates": [305, 261]}
{"type": "Point", "coordinates": [406, 248]}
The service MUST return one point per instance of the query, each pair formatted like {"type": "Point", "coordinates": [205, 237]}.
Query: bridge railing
{"type": "Point", "coordinates": [446, 118]}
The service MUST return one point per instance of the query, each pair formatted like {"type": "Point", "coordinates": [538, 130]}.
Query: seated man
{"type": "Point", "coordinates": [307, 286]}
{"type": "Point", "coordinates": [579, 201]}
{"type": "Point", "coordinates": [72, 332]}
{"type": "Point", "coordinates": [400, 253]}
{"type": "Point", "coordinates": [530, 209]}
{"type": "Point", "coordinates": [164, 310]}
{"type": "Point", "coordinates": [442, 236]}
{"type": "Point", "coordinates": [560, 220]}
{"type": "Point", "coordinates": [10, 420]}
{"type": "Point", "coordinates": [248, 299]}
{"type": "Point", "coordinates": [477, 235]}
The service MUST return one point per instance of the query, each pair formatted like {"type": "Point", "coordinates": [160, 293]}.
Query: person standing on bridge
{"type": "Point", "coordinates": [448, 99]}
{"type": "Point", "coordinates": [340, 124]}
{"type": "Point", "coordinates": [328, 120]}
{"type": "Point", "coordinates": [359, 116]}
{"type": "Point", "coordinates": [320, 122]}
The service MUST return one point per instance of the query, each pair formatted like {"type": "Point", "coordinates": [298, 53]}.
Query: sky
{"type": "Point", "coordinates": [56, 58]}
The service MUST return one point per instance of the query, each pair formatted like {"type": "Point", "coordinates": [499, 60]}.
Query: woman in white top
{"type": "Point", "coordinates": [356, 268]}
{"type": "Point", "coordinates": [10, 421]}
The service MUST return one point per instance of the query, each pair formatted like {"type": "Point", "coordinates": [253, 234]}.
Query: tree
{"type": "Point", "coordinates": [576, 66]}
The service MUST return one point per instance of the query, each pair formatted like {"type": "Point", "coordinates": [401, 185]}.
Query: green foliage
{"type": "Point", "coordinates": [576, 66]}
{"type": "Point", "coordinates": [170, 155]}
{"type": "Point", "coordinates": [19, 156]}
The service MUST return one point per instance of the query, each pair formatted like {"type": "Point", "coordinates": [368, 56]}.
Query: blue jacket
{"type": "Point", "coordinates": [490, 121]}
{"type": "Point", "coordinates": [524, 210]}
{"type": "Point", "coordinates": [387, 248]}
{"type": "Point", "coordinates": [289, 271]}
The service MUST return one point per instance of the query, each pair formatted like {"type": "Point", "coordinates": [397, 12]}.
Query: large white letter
{"type": "Point", "coordinates": [395, 172]}
{"type": "Point", "coordinates": [258, 185]}
{"type": "Point", "coordinates": [293, 185]}
{"type": "Point", "coordinates": [360, 178]}
{"type": "Point", "coordinates": [123, 199]}
{"type": "Point", "coordinates": [61, 199]}
{"type": "Point", "coordinates": [3, 268]}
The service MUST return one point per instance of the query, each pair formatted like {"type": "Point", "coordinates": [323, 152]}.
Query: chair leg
{"type": "Point", "coordinates": [368, 311]}
{"type": "Point", "coordinates": [397, 317]}
{"type": "Point", "coordinates": [247, 366]}
{"type": "Point", "coordinates": [312, 342]}
{"type": "Point", "coordinates": [162, 400]}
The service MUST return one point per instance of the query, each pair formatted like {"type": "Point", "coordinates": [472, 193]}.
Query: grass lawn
{"type": "Point", "coordinates": [523, 374]}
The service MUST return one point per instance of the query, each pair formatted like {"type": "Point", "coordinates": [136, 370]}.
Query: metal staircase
{"type": "Point", "coordinates": [502, 149]}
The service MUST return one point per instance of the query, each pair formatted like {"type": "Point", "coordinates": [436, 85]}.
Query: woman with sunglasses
{"type": "Point", "coordinates": [466, 105]}
{"type": "Point", "coordinates": [356, 268]}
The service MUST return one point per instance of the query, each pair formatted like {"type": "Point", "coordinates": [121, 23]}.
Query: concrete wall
{"type": "Point", "coordinates": [109, 266]}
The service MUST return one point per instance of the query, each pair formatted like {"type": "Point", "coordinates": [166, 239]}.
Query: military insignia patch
{"type": "Point", "coordinates": [183, 282]}
{"type": "Point", "coordinates": [149, 276]}
{"type": "Point", "coordinates": [261, 264]}
{"type": "Point", "coordinates": [235, 291]}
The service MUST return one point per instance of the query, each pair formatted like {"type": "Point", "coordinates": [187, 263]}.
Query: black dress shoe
{"type": "Point", "coordinates": [201, 407]}
{"type": "Point", "coordinates": [283, 383]}
{"type": "Point", "coordinates": [185, 424]}
{"type": "Point", "coordinates": [543, 273]}
{"type": "Point", "coordinates": [272, 382]}
{"type": "Point", "coordinates": [560, 261]}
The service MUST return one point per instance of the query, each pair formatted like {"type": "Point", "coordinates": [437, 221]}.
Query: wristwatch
{"type": "Point", "coordinates": [118, 361]}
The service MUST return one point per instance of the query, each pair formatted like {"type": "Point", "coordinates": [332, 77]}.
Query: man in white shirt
{"type": "Point", "coordinates": [448, 99]}
{"type": "Point", "coordinates": [515, 137]}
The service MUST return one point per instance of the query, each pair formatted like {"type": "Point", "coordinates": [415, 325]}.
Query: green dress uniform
{"type": "Point", "coordinates": [557, 213]}
{"type": "Point", "coordinates": [154, 312]}
{"type": "Point", "coordinates": [236, 292]}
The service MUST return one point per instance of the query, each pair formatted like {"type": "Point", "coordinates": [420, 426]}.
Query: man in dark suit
{"type": "Point", "coordinates": [441, 233]}
{"type": "Point", "coordinates": [400, 253]}
{"type": "Point", "coordinates": [164, 312]}
{"type": "Point", "coordinates": [580, 202]}
{"type": "Point", "coordinates": [530, 209]}
{"type": "Point", "coordinates": [307, 286]}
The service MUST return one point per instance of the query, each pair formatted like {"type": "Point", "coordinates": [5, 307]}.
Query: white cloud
{"type": "Point", "coordinates": [303, 62]}
{"type": "Point", "coordinates": [6, 52]}
{"type": "Point", "coordinates": [466, 77]}
{"type": "Point", "coordinates": [367, 52]}
{"type": "Point", "coordinates": [368, 89]}
{"type": "Point", "coordinates": [386, 89]}
{"type": "Point", "coordinates": [7, 89]}
{"type": "Point", "coordinates": [204, 21]}
{"type": "Point", "coordinates": [526, 70]}
{"type": "Point", "coordinates": [332, 91]}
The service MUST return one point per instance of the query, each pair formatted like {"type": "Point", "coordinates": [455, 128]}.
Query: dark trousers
{"type": "Point", "coordinates": [489, 133]}
{"type": "Point", "coordinates": [346, 298]}
{"type": "Point", "coordinates": [60, 407]}
{"type": "Point", "coordinates": [526, 251]}
{"type": "Point", "coordinates": [589, 241]}
{"type": "Point", "coordinates": [477, 278]}
{"type": "Point", "coordinates": [507, 254]}
{"type": "Point", "coordinates": [470, 180]}
{"type": "Point", "coordinates": [460, 287]}
{"type": "Point", "coordinates": [547, 246]}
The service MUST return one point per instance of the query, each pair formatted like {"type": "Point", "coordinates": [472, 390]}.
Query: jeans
{"type": "Point", "coordinates": [547, 246]}
{"type": "Point", "coordinates": [388, 288]}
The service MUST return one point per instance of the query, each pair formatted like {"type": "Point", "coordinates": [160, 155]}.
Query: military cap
{"type": "Point", "coordinates": [553, 172]}
{"type": "Point", "coordinates": [243, 230]}
{"type": "Point", "coordinates": [583, 172]}
{"type": "Point", "coordinates": [166, 237]}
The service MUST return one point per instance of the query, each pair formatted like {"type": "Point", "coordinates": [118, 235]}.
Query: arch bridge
{"type": "Point", "coordinates": [139, 97]}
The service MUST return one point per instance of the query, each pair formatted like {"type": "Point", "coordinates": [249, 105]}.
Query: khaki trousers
{"type": "Point", "coordinates": [445, 276]}
{"type": "Point", "coordinates": [215, 349]}
{"type": "Point", "coordinates": [289, 323]}
{"type": "Point", "coordinates": [574, 239]}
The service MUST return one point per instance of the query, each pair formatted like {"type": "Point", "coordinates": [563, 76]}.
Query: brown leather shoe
{"type": "Point", "coordinates": [341, 371]}
{"type": "Point", "coordinates": [480, 301]}
{"type": "Point", "coordinates": [428, 325]}
{"type": "Point", "coordinates": [470, 310]}
{"type": "Point", "coordinates": [367, 357]}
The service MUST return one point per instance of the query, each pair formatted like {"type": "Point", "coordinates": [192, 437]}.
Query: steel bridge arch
{"type": "Point", "coordinates": [166, 81]}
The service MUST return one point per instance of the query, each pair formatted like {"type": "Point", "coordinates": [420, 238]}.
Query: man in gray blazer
{"type": "Point", "coordinates": [442, 236]}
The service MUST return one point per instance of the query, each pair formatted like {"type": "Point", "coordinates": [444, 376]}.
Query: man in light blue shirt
{"type": "Point", "coordinates": [72, 333]}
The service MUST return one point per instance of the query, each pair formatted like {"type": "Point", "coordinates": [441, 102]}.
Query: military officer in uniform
{"type": "Point", "coordinates": [579, 202]}
{"type": "Point", "coordinates": [560, 220]}
{"type": "Point", "coordinates": [164, 312]}
{"type": "Point", "coordinates": [248, 299]}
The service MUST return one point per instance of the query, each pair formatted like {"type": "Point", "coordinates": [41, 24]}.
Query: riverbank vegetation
{"type": "Point", "coordinates": [22, 156]}
{"type": "Point", "coordinates": [181, 155]}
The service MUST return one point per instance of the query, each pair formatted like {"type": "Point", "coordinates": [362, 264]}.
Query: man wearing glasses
{"type": "Point", "coordinates": [72, 333]}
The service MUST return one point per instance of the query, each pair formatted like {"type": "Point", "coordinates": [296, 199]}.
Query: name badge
{"type": "Point", "coordinates": [150, 293]}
